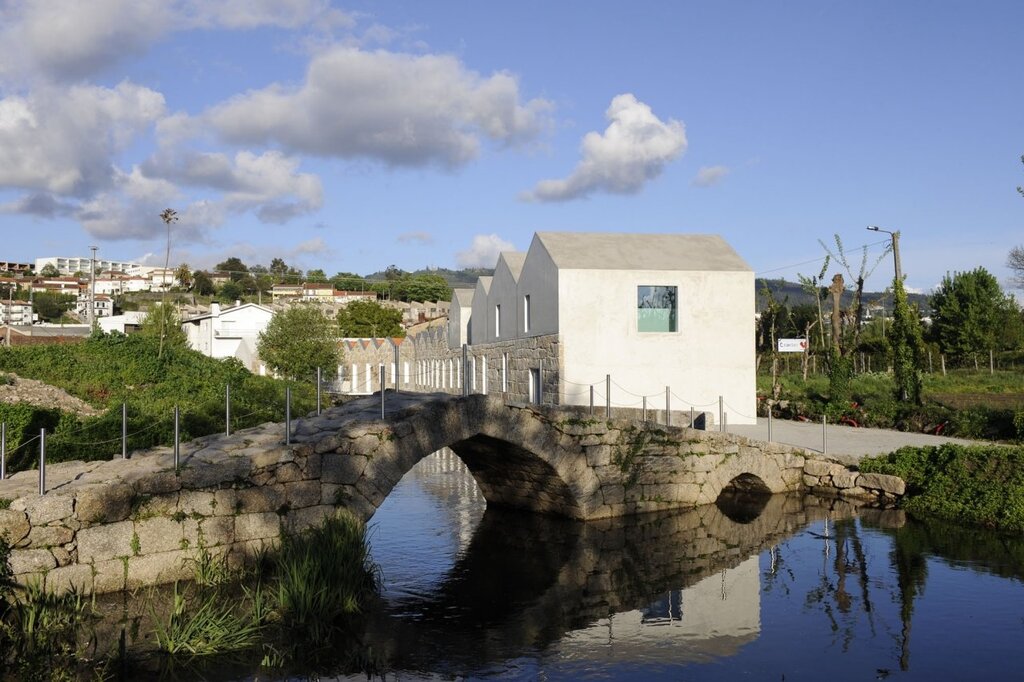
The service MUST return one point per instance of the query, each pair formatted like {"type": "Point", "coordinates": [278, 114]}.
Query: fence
{"type": "Point", "coordinates": [813, 364]}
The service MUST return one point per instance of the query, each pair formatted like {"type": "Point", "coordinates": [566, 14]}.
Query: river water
{"type": "Point", "coordinates": [791, 588]}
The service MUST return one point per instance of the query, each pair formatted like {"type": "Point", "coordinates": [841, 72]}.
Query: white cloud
{"type": "Point", "coordinates": [74, 39]}
{"type": "Point", "coordinates": [709, 176]}
{"type": "Point", "coordinates": [483, 253]}
{"type": "Point", "coordinates": [269, 183]}
{"type": "Point", "coordinates": [419, 237]}
{"type": "Point", "coordinates": [63, 140]}
{"type": "Point", "coordinates": [634, 148]}
{"type": "Point", "coordinates": [404, 110]}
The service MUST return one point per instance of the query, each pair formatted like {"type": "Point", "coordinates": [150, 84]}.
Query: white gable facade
{"type": "Point", "coordinates": [656, 313]}
{"type": "Point", "coordinates": [230, 333]}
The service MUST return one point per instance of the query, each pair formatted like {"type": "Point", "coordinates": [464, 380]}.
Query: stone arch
{"type": "Point", "coordinates": [517, 458]}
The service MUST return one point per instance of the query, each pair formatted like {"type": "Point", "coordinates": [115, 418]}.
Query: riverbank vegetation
{"type": "Point", "coordinates": [977, 485]}
{"type": "Point", "coordinates": [107, 370]}
{"type": "Point", "coordinates": [294, 607]}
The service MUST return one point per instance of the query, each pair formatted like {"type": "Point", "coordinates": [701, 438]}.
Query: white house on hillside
{"type": "Point", "coordinates": [650, 310]}
{"type": "Point", "coordinates": [229, 333]}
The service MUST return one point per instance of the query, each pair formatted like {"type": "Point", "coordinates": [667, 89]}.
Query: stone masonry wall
{"type": "Point", "coordinates": [115, 525]}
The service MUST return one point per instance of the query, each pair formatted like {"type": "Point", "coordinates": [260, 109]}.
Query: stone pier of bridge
{"type": "Point", "coordinates": [111, 525]}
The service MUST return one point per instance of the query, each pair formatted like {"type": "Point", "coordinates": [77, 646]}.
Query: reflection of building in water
{"type": "Point", "coordinates": [443, 476]}
{"type": "Point", "coordinates": [715, 617]}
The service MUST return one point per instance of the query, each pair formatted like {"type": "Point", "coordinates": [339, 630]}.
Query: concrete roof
{"type": "Point", "coordinates": [484, 282]}
{"type": "Point", "coordinates": [463, 297]}
{"type": "Point", "coordinates": [624, 251]}
{"type": "Point", "coordinates": [514, 260]}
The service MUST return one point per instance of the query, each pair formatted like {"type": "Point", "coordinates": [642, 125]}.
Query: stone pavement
{"type": "Point", "coordinates": [847, 444]}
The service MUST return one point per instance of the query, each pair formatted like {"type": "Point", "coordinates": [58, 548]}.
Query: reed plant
{"type": "Point", "coordinates": [205, 623]}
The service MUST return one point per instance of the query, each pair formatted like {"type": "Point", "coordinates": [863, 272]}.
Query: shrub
{"type": "Point", "coordinates": [981, 485]}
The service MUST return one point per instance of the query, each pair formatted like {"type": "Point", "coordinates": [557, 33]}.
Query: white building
{"type": "Point", "coordinates": [103, 306]}
{"type": "Point", "coordinates": [69, 265]}
{"type": "Point", "coordinates": [656, 312]}
{"type": "Point", "coordinates": [125, 323]}
{"type": "Point", "coordinates": [16, 312]}
{"type": "Point", "coordinates": [229, 333]}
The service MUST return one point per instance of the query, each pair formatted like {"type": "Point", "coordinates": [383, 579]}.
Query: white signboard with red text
{"type": "Point", "coordinates": [792, 345]}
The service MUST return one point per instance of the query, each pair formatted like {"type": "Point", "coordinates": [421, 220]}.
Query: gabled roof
{"type": "Point", "coordinates": [514, 260]}
{"type": "Point", "coordinates": [484, 282]}
{"type": "Point", "coordinates": [628, 251]}
{"type": "Point", "coordinates": [463, 297]}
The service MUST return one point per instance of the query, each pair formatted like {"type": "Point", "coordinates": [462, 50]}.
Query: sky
{"type": "Point", "coordinates": [352, 136]}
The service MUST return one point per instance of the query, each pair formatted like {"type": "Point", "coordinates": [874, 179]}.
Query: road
{"type": "Point", "coordinates": [847, 444]}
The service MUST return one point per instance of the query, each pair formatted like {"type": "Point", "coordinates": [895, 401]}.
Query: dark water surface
{"type": "Point", "coordinates": [792, 589]}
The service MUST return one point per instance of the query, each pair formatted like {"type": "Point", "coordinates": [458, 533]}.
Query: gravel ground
{"type": "Point", "coordinates": [847, 444]}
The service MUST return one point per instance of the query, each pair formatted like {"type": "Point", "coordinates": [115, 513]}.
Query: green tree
{"type": "Point", "coordinates": [184, 276]}
{"type": "Point", "coordinates": [1015, 261]}
{"type": "Point", "coordinates": [234, 267]}
{"type": "Point", "coordinates": [230, 292]}
{"type": "Point", "coordinates": [50, 270]}
{"type": "Point", "coordinates": [202, 284]}
{"type": "Point", "coordinates": [368, 320]}
{"type": "Point", "coordinates": [425, 287]}
{"type": "Point", "coordinates": [297, 341]}
{"type": "Point", "coordinates": [349, 281]}
{"type": "Point", "coordinates": [906, 346]}
{"type": "Point", "coordinates": [51, 307]}
{"type": "Point", "coordinates": [163, 320]}
{"type": "Point", "coordinates": [316, 276]}
{"type": "Point", "coordinates": [278, 267]}
{"type": "Point", "coordinates": [971, 314]}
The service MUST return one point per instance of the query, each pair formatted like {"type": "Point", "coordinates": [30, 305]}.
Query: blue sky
{"type": "Point", "coordinates": [349, 137]}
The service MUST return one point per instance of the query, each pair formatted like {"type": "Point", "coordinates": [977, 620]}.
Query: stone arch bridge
{"type": "Point", "coordinates": [119, 524]}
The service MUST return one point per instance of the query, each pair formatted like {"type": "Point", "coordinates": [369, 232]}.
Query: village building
{"type": "Point", "coordinates": [230, 333]}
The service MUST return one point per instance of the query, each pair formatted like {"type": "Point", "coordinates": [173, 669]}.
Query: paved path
{"type": "Point", "coordinates": [844, 443]}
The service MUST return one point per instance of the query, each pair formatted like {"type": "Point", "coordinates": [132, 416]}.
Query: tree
{"type": "Point", "coordinates": [349, 281]}
{"type": "Point", "coordinates": [971, 314]}
{"type": "Point", "coordinates": [298, 341]}
{"type": "Point", "coordinates": [184, 276]}
{"type": "Point", "coordinates": [425, 287]}
{"type": "Point", "coordinates": [51, 307]}
{"type": "Point", "coordinates": [1015, 261]}
{"type": "Point", "coordinates": [278, 267]}
{"type": "Point", "coordinates": [230, 291]}
{"type": "Point", "coordinates": [316, 276]}
{"type": "Point", "coordinates": [369, 320]}
{"type": "Point", "coordinates": [202, 284]}
{"type": "Point", "coordinates": [50, 270]}
{"type": "Point", "coordinates": [906, 346]}
{"type": "Point", "coordinates": [234, 267]}
{"type": "Point", "coordinates": [162, 322]}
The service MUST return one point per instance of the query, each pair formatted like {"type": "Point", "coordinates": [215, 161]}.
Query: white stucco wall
{"type": "Point", "coordinates": [504, 293]}
{"type": "Point", "coordinates": [711, 354]}
{"type": "Point", "coordinates": [481, 324]}
{"type": "Point", "coordinates": [458, 318]}
{"type": "Point", "coordinates": [539, 279]}
{"type": "Point", "coordinates": [231, 333]}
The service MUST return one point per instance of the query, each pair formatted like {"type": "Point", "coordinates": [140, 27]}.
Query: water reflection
{"type": "Point", "coordinates": [792, 586]}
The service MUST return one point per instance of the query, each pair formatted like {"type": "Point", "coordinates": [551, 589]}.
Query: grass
{"type": "Point", "coordinates": [978, 485]}
{"type": "Point", "coordinates": [964, 403]}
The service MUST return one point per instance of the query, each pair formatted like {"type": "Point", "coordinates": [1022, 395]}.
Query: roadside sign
{"type": "Point", "coordinates": [792, 345]}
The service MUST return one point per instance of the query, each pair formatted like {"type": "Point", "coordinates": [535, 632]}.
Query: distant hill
{"type": "Point", "coordinates": [457, 279]}
{"type": "Point", "coordinates": [792, 294]}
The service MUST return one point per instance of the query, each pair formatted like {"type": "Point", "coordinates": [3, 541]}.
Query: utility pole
{"type": "Point", "coordinates": [92, 289]}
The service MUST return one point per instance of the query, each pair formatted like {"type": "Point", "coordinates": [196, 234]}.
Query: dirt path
{"type": "Point", "coordinates": [44, 395]}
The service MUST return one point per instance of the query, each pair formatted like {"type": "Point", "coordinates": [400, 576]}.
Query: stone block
{"type": "Point", "coordinates": [329, 443]}
{"type": "Point", "coordinates": [257, 526]}
{"type": "Point", "coordinates": [342, 468]}
{"type": "Point", "coordinates": [157, 483]}
{"type": "Point", "coordinates": [613, 494]}
{"type": "Point", "coordinates": [310, 466]}
{"type": "Point", "coordinates": [844, 479]}
{"type": "Point", "coordinates": [599, 455]}
{"type": "Point", "coordinates": [213, 532]}
{"type": "Point", "coordinates": [45, 508]}
{"type": "Point", "coordinates": [308, 517]}
{"type": "Point", "coordinates": [104, 503]}
{"type": "Point", "coordinates": [302, 494]}
{"type": "Point", "coordinates": [287, 473]}
{"type": "Point", "coordinates": [14, 525]}
{"type": "Point", "coordinates": [102, 543]}
{"type": "Point", "coordinates": [31, 560]}
{"type": "Point", "coordinates": [196, 502]}
{"type": "Point", "coordinates": [893, 485]}
{"type": "Point", "coordinates": [261, 499]}
{"type": "Point", "coordinates": [66, 578]}
{"type": "Point", "coordinates": [157, 505]}
{"type": "Point", "coordinates": [224, 502]}
{"type": "Point", "coordinates": [159, 534]}
{"type": "Point", "coordinates": [49, 536]}
{"type": "Point", "coordinates": [156, 569]}
{"type": "Point", "coordinates": [819, 467]}
{"type": "Point", "coordinates": [811, 481]}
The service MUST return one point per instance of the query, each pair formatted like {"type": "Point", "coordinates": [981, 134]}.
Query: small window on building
{"type": "Point", "coordinates": [497, 321]}
{"type": "Point", "coordinates": [656, 308]}
{"type": "Point", "coordinates": [526, 313]}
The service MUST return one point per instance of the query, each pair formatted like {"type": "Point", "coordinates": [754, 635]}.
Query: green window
{"type": "Point", "coordinates": [655, 308]}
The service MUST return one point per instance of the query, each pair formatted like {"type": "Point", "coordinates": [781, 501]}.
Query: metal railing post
{"type": "Point", "coordinates": [644, 408]}
{"type": "Point", "coordinates": [824, 435]}
{"type": "Point", "coordinates": [591, 399]}
{"type": "Point", "coordinates": [3, 451]}
{"type": "Point", "coordinates": [607, 396]}
{"type": "Point", "coordinates": [319, 375]}
{"type": "Point", "coordinates": [124, 430]}
{"type": "Point", "coordinates": [397, 368]}
{"type": "Point", "coordinates": [42, 461]}
{"type": "Point", "coordinates": [693, 424]}
{"type": "Point", "coordinates": [721, 412]}
{"type": "Point", "coordinates": [227, 409]}
{"type": "Point", "coordinates": [288, 415]}
{"type": "Point", "coordinates": [540, 382]}
{"type": "Point", "coordinates": [382, 391]}
{"type": "Point", "coordinates": [668, 406]}
{"type": "Point", "coordinates": [465, 368]}
{"type": "Point", "coordinates": [769, 424]}
{"type": "Point", "coordinates": [177, 439]}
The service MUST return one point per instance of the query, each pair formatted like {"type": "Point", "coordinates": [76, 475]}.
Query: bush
{"type": "Point", "coordinates": [980, 485]}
